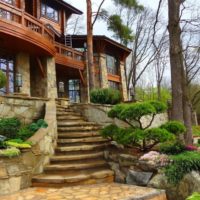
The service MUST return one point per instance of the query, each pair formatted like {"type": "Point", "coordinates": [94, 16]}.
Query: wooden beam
{"type": "Point", "coordinates": [82, 78]}
{"type": "Point", "coordinates": [40, 66]}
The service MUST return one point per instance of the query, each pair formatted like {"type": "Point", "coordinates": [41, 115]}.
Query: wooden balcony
{"type": "Point", "coordinates": [69, 57]}
{"type": "Point", "coordinates": [19, 24]}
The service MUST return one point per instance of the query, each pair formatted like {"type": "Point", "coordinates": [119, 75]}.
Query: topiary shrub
{"type": "Point", "coordinates": [174, 127]}
{"type": "Point", "coordinates": [3, 79]}
{"type": "Point", "coordinates": [172, 148]}
{"type": "Point", "coordinates": [24, 133]}
{"type": "Point", "coordinates": [105, 96]}
{"type": "Point", "coordinates": [194, 196]}
{"type": "Point", "coordinates": [9, 127]}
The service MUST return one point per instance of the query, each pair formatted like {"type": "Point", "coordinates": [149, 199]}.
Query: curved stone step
{"type": "Point", "coordinates": [77, 157]}
{"type": "Point", "coordinates": [78, 134]}
{"type": "Point", "coordinates": [81, 147]}
{"type": "Point", "coordinates": [59, 179]}
{"type": "Point", "coordinates": [84, 140]}
{"type": "Point", "coordinates": [66, 113]}
{"type": "Point", "coordinates": [72, 129]}
{"type": "Point", "coordinates": [75, 166]}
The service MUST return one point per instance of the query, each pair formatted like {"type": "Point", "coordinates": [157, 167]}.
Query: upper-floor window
{"type": "Point", "coordinates": [112, 65]}
{"type": "Point", "coordinates": [49, 12]}
{"type": "Point", "coordinates": [9, 1]}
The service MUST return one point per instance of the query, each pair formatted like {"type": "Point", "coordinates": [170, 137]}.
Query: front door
{"type": "Point", "coordinates": [74, 90]}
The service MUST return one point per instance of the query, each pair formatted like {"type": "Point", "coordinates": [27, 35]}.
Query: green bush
{"type": "Point", "coordinates": [181, 165]}
{"type": "Point", "coordinates": [105, 96]}
{"type": "Point", "coordinates": [174, 127]}
{"type": "Point", "coordinates": [159, 106]}
{"type": "Point", "coordinates": [9, 127]}
{"type": "Point", "coordinates": [109, 131]}
{"type": "Point", "coordinates": [194, 196]}
{"type": "Point", "coordinates": [172, 148]}
{"type": "Point", "coordinates": [34, 127]}
{"type": "Point", "coordinates": [3, 79]}
{"type": "Point", "coordinates": [10, 152]}
{"type": "Point", "coordinates": [24, 133]}
{"type": "Point", "coordinates": [2, 140]}
{"type": "Point", "coordinates": [196, 130]}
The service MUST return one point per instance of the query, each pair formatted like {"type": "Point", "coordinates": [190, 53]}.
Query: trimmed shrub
{"type": "Point", "coordinates": [172, 148]}
{"type": "Point", "coordinates": [196, 130]}
{"type": "Point", "coordinates": [9, 127]}
{"type": "Point", "coordinates": [24, 133]}
{"type": "Point", "coordinates": [159, 106]}
{"type": "Point", "coordinates": [109, 131]}
{"type": "Point", "coordinates": [181, 165]}
{"type": "Point", "coordinates": [194, 196]}
{"type": "Point", "coordinates": [105, 96]}
{"type": "Point", "coordinates": [174, 127]}
{"type": "Point", "coordinates": [3, 79]}
{"type": "Point", "coordinates": [18, 145]}
{"type": "Point", "coordinates": [10, 152]}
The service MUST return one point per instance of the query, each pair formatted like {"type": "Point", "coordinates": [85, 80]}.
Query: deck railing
{"type": "Point", "coordinates": [19, 17]}
{"type": "Point", "coordinates": [69, 52]}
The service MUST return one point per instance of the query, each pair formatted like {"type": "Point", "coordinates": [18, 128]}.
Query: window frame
{"type": "Point", "coordinates": [114, 70]}
{"type": "Point", "coordinates": [13, 2]}
{"type": "Point", "coordinates": [45, 5]}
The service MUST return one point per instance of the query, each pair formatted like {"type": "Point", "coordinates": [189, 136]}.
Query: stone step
{"type": "Point", "coordinates": [57, 181]}
{"type": "Point", "coordinates": [74, 166]}
{"type": "Point", "coordinates": [81, 147]}
{"type": "Point", "coordinates": [78, 134]}
{"type": "Point", "coordinates": [77, 157]}
{"type": "Point", "coordinates": [84, 140]}
{"type": "Point", "coordinates": [62, 109]}
{"type": "Point", "coordinates": [78, 129]}
{"type": "Point", "coordinates": [65, 113]}
{"type": "Point", "coordinates": [74, 124]}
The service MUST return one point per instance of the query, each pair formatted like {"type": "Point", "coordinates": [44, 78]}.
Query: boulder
{"type": "Point", "coordinates": [138, 178]}
{"type": "Point", "coordinates": [126, 160]}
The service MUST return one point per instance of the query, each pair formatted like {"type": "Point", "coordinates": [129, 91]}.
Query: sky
{"type": "Point", "coordinates": [100, 27]}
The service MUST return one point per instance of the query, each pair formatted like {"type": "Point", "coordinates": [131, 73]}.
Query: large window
{"type": "Point", "coordinates": [74, 90]}
{"type": "Point", "coordinates": [112, 65]}
{"type": "Point", "coordinates": [7, 66]}
{"type": "Point", "coordinates": [49, 12]}
{"type": "Point", "coordinates": [113, 85]}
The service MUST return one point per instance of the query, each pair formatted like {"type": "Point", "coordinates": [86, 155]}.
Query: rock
{"type": "Point", "coordinates": [145, 166]}
{"type": "Point", "coordinates": [138, 178]}
{"type": "Point", "coordinates": [126, 160]}
{"type": "Point", "coordinates": [189, 184]}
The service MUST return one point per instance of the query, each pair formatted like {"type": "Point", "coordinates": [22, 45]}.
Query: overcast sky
{"type": "Point", "coordinates": [100, 27]}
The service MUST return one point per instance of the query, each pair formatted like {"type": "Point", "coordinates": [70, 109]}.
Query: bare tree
{"type": "Point", "coordinates": [75, 25]}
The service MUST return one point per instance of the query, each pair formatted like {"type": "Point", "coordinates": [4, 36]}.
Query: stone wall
{"type": "Point", "coordinates": [16, 173]}
{"type": "Point", "coordinates": [27, 109]}
{"type": "Point", "coordinates": [103, 71]}
{"type": "Point", "coordinates": [123, 82]}
{"type": "Point", "coordinates": [98, 113]}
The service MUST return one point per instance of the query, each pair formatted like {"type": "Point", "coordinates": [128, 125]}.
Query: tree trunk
{"type": "Point", "coordinates": [90, 46]}
{"type": "Point", "coordinates": [176, 59]}
{"type": "Point", "coordinates": [159, 90]}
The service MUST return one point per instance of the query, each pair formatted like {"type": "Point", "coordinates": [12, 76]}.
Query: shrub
{"type": "Point", "coordinates": [109, 131]}
{"type": "Point", "coordinates": [9, 127]}
{"type": "Point", "coordinates": [105, 96]}
{"type": "Point", "coordinates": [2, 140]}
{"type": "Point", "coordinates": [10, 152]}
{"type": "Point", "coordinates": [174, 127]}
{"type": "Point", "coordinates": [194, 196]}
{"type": "Point", "coordinates": [3, 79]}
{"type": "Point", "coordinates": [181, 165]}
{"type": "Point", "coordinates": [34, 127]}
{"type": "Point", "coordinates": [172, 148]}
{"type": "Point", "coordinates": [159, 106]}
{"type": "Point", "coordinates": [196, 130]}
{"type": "Point", "coordinates": [24, 133]}
{"type": "Point", "coordinates": [18, 145]}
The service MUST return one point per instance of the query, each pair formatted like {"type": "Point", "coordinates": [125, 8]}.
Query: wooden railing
{"type": "Point", "coordinates": [69, 52]}
{"type": "Point", "coordinates": [17, 16]}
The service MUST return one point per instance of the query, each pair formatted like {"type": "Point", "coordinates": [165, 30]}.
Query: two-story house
{"type": "Point", "coordinates": [35, 50]}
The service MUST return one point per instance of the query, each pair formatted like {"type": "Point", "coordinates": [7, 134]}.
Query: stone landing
{"type": "Point", "coordinates": [91, 192]}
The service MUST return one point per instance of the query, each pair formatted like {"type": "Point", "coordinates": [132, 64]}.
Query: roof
{"type": "Point", "coordinates": [105, 38]}
{"type": "Point", "coordinates": [69, 7]}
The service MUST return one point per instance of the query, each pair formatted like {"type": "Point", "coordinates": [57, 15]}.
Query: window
{"type": "Point", "coordinates": [74, 90]}
{"type": "Point", "coordinates": [49, 12]}
{"type": "Point", "coordinates": [7, 66]}
{"type": "Point", "coordinates": [112, 65]}
{"type": "Point", "coordinates": [113, 85]}
{"type": "Point", "coordinates": [9, 1]}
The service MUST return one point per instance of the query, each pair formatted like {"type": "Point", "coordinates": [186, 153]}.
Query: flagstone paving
{"type": "Point", "coordinates": [89, 192]}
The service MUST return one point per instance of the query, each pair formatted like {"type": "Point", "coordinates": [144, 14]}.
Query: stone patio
{"type": "Point", "coordinates": [89, 192]}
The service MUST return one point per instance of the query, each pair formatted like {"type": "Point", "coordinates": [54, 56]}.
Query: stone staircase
{"type": "Point", "coordinates": [79, 155]}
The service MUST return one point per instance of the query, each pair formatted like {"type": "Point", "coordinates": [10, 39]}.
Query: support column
{"type": "Point", "coordinates": [123, 82]}
{"type": "Point", "coordinates": [103, 71]}
{"type": "Point", "coordinates": [23, 67]}
{"type": "Point", "coordinates": [51, 78]}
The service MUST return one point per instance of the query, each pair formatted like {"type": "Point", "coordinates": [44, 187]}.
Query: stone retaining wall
{"type": "Point", "coordinates": [98, 113]}
{"type": "Point", "coordinates": [27, 109]}
{"type": "Point", "coordinates": [16, 173]}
